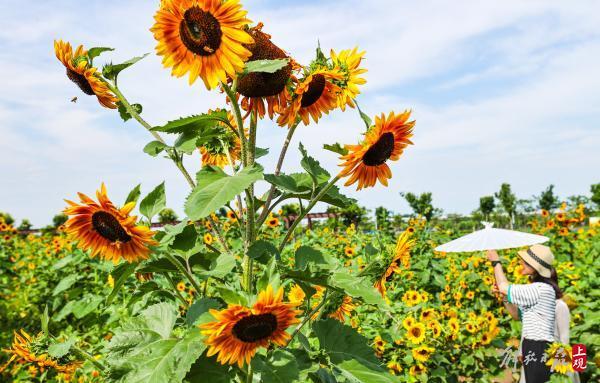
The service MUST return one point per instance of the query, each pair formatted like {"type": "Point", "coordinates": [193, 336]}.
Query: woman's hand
{"type": "Point", "coordinates": [492, 255]}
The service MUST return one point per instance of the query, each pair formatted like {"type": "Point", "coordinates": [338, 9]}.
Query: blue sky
{"type": "Point", "coordinates": [501, 91]}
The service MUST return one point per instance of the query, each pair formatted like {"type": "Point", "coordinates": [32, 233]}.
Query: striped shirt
{"type": "Point", "coordinates": [537, 304]}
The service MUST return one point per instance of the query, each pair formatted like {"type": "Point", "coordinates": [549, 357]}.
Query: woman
{"type": "Point", "coordinates": [536, 302]}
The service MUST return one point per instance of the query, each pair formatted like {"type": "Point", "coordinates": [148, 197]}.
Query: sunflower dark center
{"type": "Point", "coordinates": [314, 91]}
{"type": "Point", "coordinates": [380, 151]}
{"type": "Point", "coordinates": [200, 31]}
{"type": "Point", "coordinates": [109, 227]}
{"type": "Point", "coordinates": [81, 82]}
{"type": "Point", "coordinates": [255, 327]}
{"type": "Point", "coordinates": [262, 84]}
{"type": "Point", "coordinates": [416, 332]}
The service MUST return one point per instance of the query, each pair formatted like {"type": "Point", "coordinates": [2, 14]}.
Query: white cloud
{"type": "Point", "coordinates": [539, 129]}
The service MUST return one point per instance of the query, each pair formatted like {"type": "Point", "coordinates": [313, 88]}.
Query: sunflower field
{"type": "Point", "coordinates": [240, 290]}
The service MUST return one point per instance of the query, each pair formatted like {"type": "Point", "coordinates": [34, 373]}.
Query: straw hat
{"type": "Point", "coordinates": [539, 257]}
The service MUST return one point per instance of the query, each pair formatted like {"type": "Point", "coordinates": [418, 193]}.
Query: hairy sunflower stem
{"type": "Point", "coordinates": [237, 114]}
{"type": "Point", "coordinates": [308, 208]}
{"type": "Point", "coordinates": [307, 318]}
{"type": "Point", "coordinates": [184, 271]}
{"type": "Point", "coordinates": [89, 358]}
{"type": "Point", "coordinates": [173, 154]}
{"type": "Point", "coordinates": [284, 148]}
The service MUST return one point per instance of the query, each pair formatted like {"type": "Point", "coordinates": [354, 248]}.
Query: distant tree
{"type": "Point", "coordinates": [397, 221]}
{"type": "Point", "coordinates": [508, 201]}
{"type": "Point", "coordinates": [25, 225]}
{"type": "Point", "coordinates": [382, 217]}
{"type": "Point", "coordinates": [576, 200]}
{"type": "Point", "coordinates": [8, 219]}
{"type": "Point", "coordinates": [59, 219]}
{"type": "Point", "coordinates": [353, 213]}
{"type": "Point", "coordinates": [595, 189]}
{"type": "Point", "coordinates": [290, 209]}
{"type": "Point", "coordinates": [167, 215]}
{"type": "Point", "coordinates": [547, 199]}
{"type": "Point", "coordinates": [421, 205]}
{"type": "Point", "coordinates": [487, 206]}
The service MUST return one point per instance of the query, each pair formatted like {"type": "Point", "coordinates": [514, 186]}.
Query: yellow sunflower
{"type": "Point", "coordinates": [366, 162]}
{"type": "Point", "coordinates": [239, 331]}
{"type": "Point", "coordinates": [422, 353]}
{"type": "Point", "coordinates": [349, 251]}
{"type": "Point", "coordinates": [348, 63]}
{"type": "Point", "coordinates": [401, 256]}
{"type": "Point", "coordinates": [315, 94]}
{"type": "Point", "coordinates": [231, 215]}
{"type": "Point", "coordinates": [560, 358]}
{"type": "Point", "coordinates": [273, 222]}
{"type": "Point", "coordinates": [408, 322]}
{"type": "Point", "coordinates": [296, 294]}
{"type": "Point", "coordinates": [107, 231]}
{"type": "Point", "coordinates": [417, 369]}
{"type": "Point", "coordinates": [435, 328]}
{"type": "Point", "coordinates": [453, 325]}
{"type": "Point", "coordinates": [203, 37]}
{"type": "Point", "coordinates": [394, 367]}
{"type": "Point", "coordinates": [428, 315]}
{"type": "Point", "coordinates": [84, 75]}
{"type": "Point", "coordinates": [258, 88]}
{"type": "Point", "coordinates": [344, 310]}
{"type": "Point", "coordinates": [181, 286]}
{"type": "Point", "coordinates": [411, 298]}
{"type": "Point", "coordinates": [208, 239]}
{"type": "Point", "coordinates": [416, 333]}
{"type": "Point", "coordinates": [21, 350]}
{"type": "Point", "coordinates": [222, 148]}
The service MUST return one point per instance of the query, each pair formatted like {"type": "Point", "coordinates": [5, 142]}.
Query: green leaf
{"type": "Point", "coordinates": [45, 319]}
{"type": "Point", "coordinates": [134, 194]}
{"type": "Point", "coordinates": [290, 183]}
{"type": "Point", "coordinates": [96, 51]}
{"type": "Point", "coordinates": [336, 148]}
{"type": "Point", "coordinates": [265, 66]}
{"type": "Point", "coordinates": [111, 71]}
{"type": "Point", "coordinates": [154, 148]}
{"type": "Point", "coordinates": [305, 255]}
{"type": "Point", "coordinates": [322, 376]}
{"type": "Point", "coordinates": [58, 350]}
{"type": "Point", "coordinates": [86, 305]}
{"type": "Point", "coordinates": [65, 283]}
{"type": "Point", "coordinates": [195, 123]}
{"type": "Point", "coordinates": [270, 276]}
{"type": "Point", "coordinates": [349, 351]}
{"type": "Point", "coordinates": [365, 118]}
{"type": "Point", "coordinates": [124, 113]}
{"type": "Point", "coordinates": [200, 307]}
{"type": "Point", "coordinates": [261, 152]}
{"type": "Point", "coordinates": [154, 202]}
{"type": "Point", "coordinates": [207, 369]}
{"type": "Point", "coordinates": [187, 142]}
{"type": "Point", "coordinates": [313, 167]}
{"type": "Point", "coordinates": [357, 287]}
{"type": "Point", "coordinates": [262, 251]}
{"type": "Point", "coordinates": [280, 367]}
{"type": "Point", "coordinates": [120, 275]}
{"type": "Point", "coordinates": [219, 268]}
{"type": "Point", "coordinates": [209, 197]}
{"type": "Point", "coordinates": [186, 240]}
{"type": "Point", "coordinates": [231, 296]}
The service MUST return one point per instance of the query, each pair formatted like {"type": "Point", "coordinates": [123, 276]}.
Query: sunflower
{"type": "Point", "coordinates": [231, 216]}
{"type": "Point", "coordinates": [563, 232]}
{"type": "Point", "coordinates": [107, 231]}
{"type": "Point", "coordinates": [435, 328]}
{"type": "Point", "coordinates": [401, 256]}
{"type": "Point", "coordinates": [550, 224]}
{"type": "Point", "coordinates": [471, 327]}
{"type": "Point", "coordinates": [314, 95]}
{"type": "Point", "coordinates": [408, 322]}
{"type": "Point", "coordinates": [470, 294]}
{"type": "Point", "coordinates": [347, 62]}
{"type": "Point", "coordinates": [224, 146]}
{"type": "Point", "coordinates": [417, 369]}
{"type": "Point", "coordinates": [258, 88]}
{"type": "Point", "coordinates": [422, 353]}
{"type": "Point", "coordinates": [394, 367]}
{"type": "Point", "coordinates": [273, 222]}
{"type": "Point", "coordinates": [239, 331]}
{"type": "Point", "coordinates": [416, 333]}
{"type": "Point", "coordinates": [344, 309]}
{"type": "Point", "coordinates": [181, 286]}
{"type": "Point", "coordinates": [203, 37]}
{"type": "Point", "coordinates": [411, 298]}
{"type": "Point", "coordinates": [453, 325]}
{"type": "Point", "coordinates": [486, 338]}
{"type": "Point", "coordinates": [428, 315]}
{"type": "Point", "coordinates": [208, 239]}
{"type": "Point", "coordinates": [366, 162]}
{"type": "Point", "coordinates": [21, 349]}
{"type": "Point", "coordinates": [560, 217]}
{"type": "Point", "coordinates": [296, 294]}
{"type": "Point", "coordinates": [560, 358]}
{"type": "Point", "coordinates": [349, 251]}
{"type": "Point", "coordinates": [545, 213]}
{"type": "Point", "coordinates": [83, 74]}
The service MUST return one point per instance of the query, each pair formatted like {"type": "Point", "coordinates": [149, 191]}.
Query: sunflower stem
{"type": "Point", "coordinates": [177, 293]}
{"type": "Point", "coordinates": [173, 154]}
{"type": "Point", "coordinates": [307, 318]}
{"type": "Point", "coordinates": [286, 144]}
{"type": "Point", "coordinates": [249, 374]}
{"type": "Point", "coordinates": [184, 271]}
{"type": "Point", "coordinates": [308, 208]}
{"type": "Point", "coordinates": [89, 358]}
{"type": "Point", "coordinates": [235, 109]}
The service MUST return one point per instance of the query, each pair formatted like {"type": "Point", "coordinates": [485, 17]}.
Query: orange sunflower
{"type": "Point", "coordinates": [203, 37]}
{"type": "Point", "coordinates": [343, 307]}
{"type": "Point", "coordinates": [107, 231]}
{"type": "Point", "coordinates": [83, 74]}
{"type": "Point", "coordinates": [222, 147]}
{"type": "Point", "coordinates": [348, 62]}
{"type": "Point", "coordinates": [239, 331]}
{"type": "Point", "coordinates": [366, 162]}
{"type": "Point", "coordinates": [315, 94]}
{"type": "Point", "coordinates": [258, 88]}
{"type": "Point", "coordinates": [401, 257]}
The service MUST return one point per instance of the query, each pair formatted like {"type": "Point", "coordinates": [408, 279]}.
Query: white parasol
{"type": "Point", "coordinates": [490, 238]}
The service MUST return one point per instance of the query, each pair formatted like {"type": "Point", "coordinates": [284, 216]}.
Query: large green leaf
{"type": "Point", "coordinates": [306, 255]}
{"type": "Point", "coordinates": [280, 367]}
{"type": "Point", "coordinates": [154, 148]}
{"type": "Point", "coordinates": [66, 283]}
{"type": "Point", "coordinates": [210, 196]}
{"type": "Point", "coordinates": [349, 351]}
{"type": "Point", "coordinates": [111, 71]}
{"type": "Point", "coordinates": [96, 51]}
{"type": "Point", "coordinates": [120, 275]}
{"type": "Point", "coordinates": [86, 305]}
{"type": "Point", "coordinates": [266, 66]}
{"type": "Point", "coordinates": [195, 123]}
{"type": "Point", "coordinates": [313, 167]}
{"type": "Point", "coordinates": [357, 287]}
{"type": "Point", "coordinates": [154, 202]}
{"type": "Point", "coordinates": [200, 307]}
{"type": "Point", "coordinates": [289, 183]}
{"type": "Point", "coordinates": [134, 194]}
{"type": "Point", "coordinates": [219, 268]}
{"type": "Point", "coordinates": [208, 370]}
{"type": "Point", "coordinates": [336, 148]}
{"type": "Point", "coordinates": [263, 251]}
